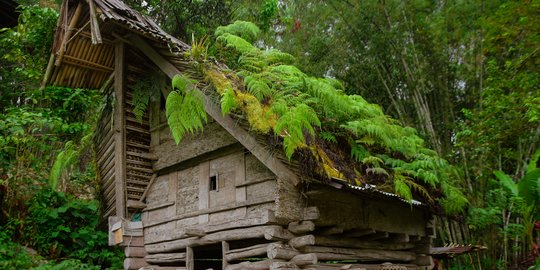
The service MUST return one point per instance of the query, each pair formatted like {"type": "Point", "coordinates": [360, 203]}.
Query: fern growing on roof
{"type": "Point", "coordinates": [277, 97]}
{"type": "Point", "coordinates": [184, 108]}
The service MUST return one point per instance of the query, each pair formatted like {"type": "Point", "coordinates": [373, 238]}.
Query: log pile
{"type": "Point", "coordinates": [303, 245]}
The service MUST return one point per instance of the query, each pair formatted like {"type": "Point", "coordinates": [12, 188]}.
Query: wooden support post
{"type": "Point", "coordinates": [119, 130]}
{"type": "Point", "coordinates": [69, 30]}
{"type": "Point", "coordinates": [94, 26]}
{"type": "Point", "coordinates": [224, 250]}
{"type": "Point", "coordinates": [190, 263]}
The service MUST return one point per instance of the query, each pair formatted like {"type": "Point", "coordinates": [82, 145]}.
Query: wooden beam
{"type": "Point", "coordinates": [119, 130]}
{"type": "Point", "coordinates": [94, 25]}
{"type": "Point", "coordinates": [190, 263]}
{"type": "Point", "coordinates": [240, 134]}
{"type": "Point", "coordinates": [224, 250]}
{"type": "Point", "coordinates": [154, 176]}
{"type": "Point", "coordinates": [69, 30]}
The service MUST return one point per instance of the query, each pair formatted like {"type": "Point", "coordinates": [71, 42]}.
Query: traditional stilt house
{"type": "Point", "coordinates": [223, 198]}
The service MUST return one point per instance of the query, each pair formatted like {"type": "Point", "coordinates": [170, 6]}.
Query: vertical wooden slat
{"type": "Point", "coordinates": [204, 174]}
{"type": "Point", "coordinates": [224, 250]}
{"type": "Point", "coordinates": [154, 122]}
{"type": "Point", "coordinates": [119, 130]}
{"type": "Point", "coordinates": [190, 263]}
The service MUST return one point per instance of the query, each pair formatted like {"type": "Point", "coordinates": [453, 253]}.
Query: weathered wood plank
{"type": "Point", "coordinates": [283, 266]}
{"type": "Point", "coordinates": [305, 259]}
{"type": "Point", "coordinates": [119, 124]}
{"type": "Point", "coordinates": [281, 251]}
{"type": "Point", "coordinates": [268, 218]}
{"type": "Point", "coordinates": [224, 249]}
{"type": "Point", "coordinates": [134, 263]}
{"type": "Point", "coordinates": [301, 227]}
{"type": "Point", "coordinates": [248, 252]}
{"type": "Point", "coordinates": [135, 252]}
{"type": "Point", "coordinates": [277, 233]}
{"type": "Point", "coordinates": [165, 258]}
{"type": "Point", "coordinates": [334, 253]}
{"type": "Point", "coordinates": [213, 238]}
{"type": "Point", "coordinates": [328, 241]}
{"type": "Point", "coordinates": [260, 265]}
{"type": "Point", "coordinates": [190, 263]}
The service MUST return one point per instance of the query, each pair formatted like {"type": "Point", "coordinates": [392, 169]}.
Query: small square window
{"type": "Point", "coordinates": [214, 182]}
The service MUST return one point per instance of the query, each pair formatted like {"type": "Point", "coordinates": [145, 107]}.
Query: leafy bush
{"type": "Point", "coordinates": [67, 265]}
{"type": "Point", "coordinates": [60, 226]}
{"type": "Point", "coordinates": [13, 255]}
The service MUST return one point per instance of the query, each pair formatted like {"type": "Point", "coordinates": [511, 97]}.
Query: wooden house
{"type": "Point", "coordinates": [221, 199]}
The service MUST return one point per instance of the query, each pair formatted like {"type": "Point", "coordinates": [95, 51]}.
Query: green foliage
{"type": "Point", "coordinates": [184, 108]}
{"type": "Point", "coordinates": [228, 101]}
{"type": "Point", "coordinates": [24, 52]}
{"type": "Point", "coordinates": [246, 30]}
{"type": "Point", "coordinates": [61, 226]}
{"type": "Point", "coordinates": [299, 103]}
{"type": "Point", "coordinates": [70, 264]}
{"type": "Point", "coordinates": [145, 88]}
{"type": "Point", "coordinates": [292, 125]}
{"type": "Point", "coordinates": [13, 255]}
{"type": "Point", "coordinates": [267, 14]}
{"type": "Point", "coordinates": [183, 18]}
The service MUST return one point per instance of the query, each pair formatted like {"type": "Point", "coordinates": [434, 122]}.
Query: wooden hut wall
{"type": "Point", "coordinates": [139, 170]}
{"type": "Point", "coordinates": [104, 147]}
{"type": "Point", "coordinates": [181, 200]}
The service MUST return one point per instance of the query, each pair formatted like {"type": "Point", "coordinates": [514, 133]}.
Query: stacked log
{"type": "Point", "coordinates": [300, 244]}
{"type": "Point", "coordinates": [303, 245]}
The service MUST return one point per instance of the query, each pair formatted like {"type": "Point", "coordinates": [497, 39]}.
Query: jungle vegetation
{"type": "Point", "coordinates": [433, 97]}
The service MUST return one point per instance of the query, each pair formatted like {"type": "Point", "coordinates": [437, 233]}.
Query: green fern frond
{"type": "Point", "coordinates": [184, 108]}
{"type": "Point", "coordinates": [246, 30]}
{"type": "Point", "coordinates": [418, 188]}
{"type": "Point", "coordinates": [228, 101]}
{"type": "Point", "coordinates": [277, 57]}
{"type": "Point", "coordinates": [328, 136]}
{"type": "Point", "coordinates": [359, 152]}
{"type": "Point", "coordinates": [401, 188]}
{"type": "Point", "coordinates": [182, 83]}
{"type": "Point", "coordinates": [377, 170]}
{"type": "Point", "coordinates": [454, 200]}
{"type": "Point", "coordinates": [373, 161]}
{"type": "Point", "coordinates": [291, 127]}
{"type": "Point", "coordinates": [235, 42]}
{"type": "Point", "coordinates": [507, 182]}
{"type": "Point", "coordinates": [257, 86]}
{"type": "Point", "coordinates": [144, 89]}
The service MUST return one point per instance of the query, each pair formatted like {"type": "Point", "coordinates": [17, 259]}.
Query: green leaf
{"type": "Point", "coordinates": [507, 182]}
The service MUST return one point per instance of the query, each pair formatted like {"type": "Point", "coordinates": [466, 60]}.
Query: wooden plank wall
{"type": "Point", "coordinates": [138, 158]}
{"type": "Point", "coordinates": [181, 210]}
{"type": "Point", "coordinates": [104, 142]}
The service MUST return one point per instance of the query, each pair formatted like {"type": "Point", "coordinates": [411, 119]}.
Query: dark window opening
{"type": "Point", "coordinates": [214, 182]}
